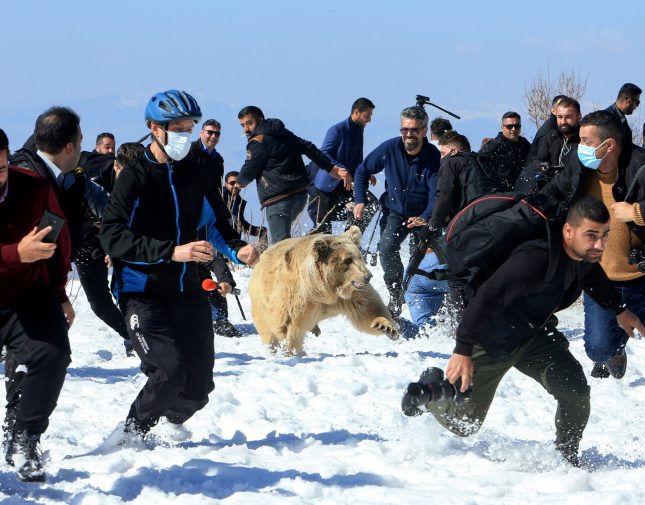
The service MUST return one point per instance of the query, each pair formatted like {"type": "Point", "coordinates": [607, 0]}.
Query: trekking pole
{"type": "Point", "coordinates": [369, 244]}
{"type": "Point", "coordinates": [237, 299]}
{"type": "Point", "coordinates": [210, 285]}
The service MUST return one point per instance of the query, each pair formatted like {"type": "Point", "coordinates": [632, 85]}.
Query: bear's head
{"type": "Point", "coordinates": [339, 262]}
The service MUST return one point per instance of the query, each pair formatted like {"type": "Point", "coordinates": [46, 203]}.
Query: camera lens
{"type": "Point", "coordinates": [641, 267]}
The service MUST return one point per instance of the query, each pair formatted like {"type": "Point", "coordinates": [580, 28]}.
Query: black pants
{"type": "Point", "coordinates": [324, 208]}
{"type": "Point", "coordinates": [394, 233]}
{"type": "Point", "coordinates": [93, 274]}
{"type": "Point", "coordinates": [174, 339]}
{"type": "Point", "coordinates": [34, 330]}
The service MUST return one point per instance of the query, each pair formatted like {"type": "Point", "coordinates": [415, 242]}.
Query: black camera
{"type": "Point", "coordinates": [637, 257]}
{"type": "Point", "coordinates": [422, 100]}
{"type": "Point", "coordinates": [421, 393]}
{"type": "Point", "coordinates": [545, 172]}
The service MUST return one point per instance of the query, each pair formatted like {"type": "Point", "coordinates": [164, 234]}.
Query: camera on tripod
{"type": "Point", "coordinates": [422, 100]}
{"type": "Point", "coordinates": [637, 257]}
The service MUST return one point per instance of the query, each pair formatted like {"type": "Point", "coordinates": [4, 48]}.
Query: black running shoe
{"type": "Point", "coordinates": [225, 328]}
{"type": "Point", "coordinates": [26, 456]}
{"type": "Point", "coordinates": [600, 371]}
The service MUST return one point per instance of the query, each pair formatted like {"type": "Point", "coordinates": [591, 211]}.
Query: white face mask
{"type": "Point", "coordinates": [435, 143]}
{"type": "Point", "coordinates": [178, 145]}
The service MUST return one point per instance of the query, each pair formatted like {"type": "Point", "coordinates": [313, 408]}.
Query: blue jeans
{"type": "Point", "coordinates": [603, 337]}
{"type": "Point", "coordinates": [425, 296]}
{"type": "Point", "coordinates": [282, 214]}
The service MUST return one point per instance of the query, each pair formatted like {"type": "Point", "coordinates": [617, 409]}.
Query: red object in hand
{"type": "Point", "coordinates": [209, 285]}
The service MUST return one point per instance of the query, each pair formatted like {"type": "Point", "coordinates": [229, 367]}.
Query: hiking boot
{"type": "Point", "coordinates": [600, 371]}
{"type": "Point", "coordinates": [24, 453]}
{"type": "Point", "coordinates": [417, 392]}
{"type": "Point", "coordinates": [617, 364]}
{"type": "Point", "coordinates": [569, 453]}
{"type": "Point", "coordinates": [225, 328]}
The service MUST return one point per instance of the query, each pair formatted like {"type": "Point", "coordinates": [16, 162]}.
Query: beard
{"type": "Point", "coordinates": [568, 129]}
{"type": "Point", "coordinates": [411, 144]}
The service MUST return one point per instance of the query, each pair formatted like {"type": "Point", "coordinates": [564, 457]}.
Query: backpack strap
{"type": "Point", "coordinates": [634, 181]}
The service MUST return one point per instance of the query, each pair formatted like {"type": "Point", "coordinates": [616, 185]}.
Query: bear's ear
{"type": "Point", "coordinates": [320, 248]}
{"type": "Point", "coordinates": [354, 234]}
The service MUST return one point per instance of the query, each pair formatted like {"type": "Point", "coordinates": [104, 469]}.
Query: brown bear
{"type": "Point", "coordinates": [301, 281]}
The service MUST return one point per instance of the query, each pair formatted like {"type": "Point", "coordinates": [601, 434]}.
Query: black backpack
{"type": "Point", "coordinates": [479, 177]}
{"type": "Point", "coordinates": [480, 237]}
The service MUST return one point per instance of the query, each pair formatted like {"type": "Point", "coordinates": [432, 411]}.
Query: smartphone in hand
{"type": "Point", "coordinates": [56, 222]}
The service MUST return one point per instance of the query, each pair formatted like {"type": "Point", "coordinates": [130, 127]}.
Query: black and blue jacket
{"type": "Point", "coordinates": [153, 208]}
{"type": "Point", "coordinates": [410, 182]}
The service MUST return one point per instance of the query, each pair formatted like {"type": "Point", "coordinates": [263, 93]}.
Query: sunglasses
{"type": "Point", "coordinates": [211, 132]}
{"type": "Point", "coordinates": [413, 131]}
{"type": "Point", "coordinates": [512, 126]}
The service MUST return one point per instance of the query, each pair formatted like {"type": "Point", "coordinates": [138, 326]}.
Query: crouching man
{"type": "Point", "coordinates": [509, 323]}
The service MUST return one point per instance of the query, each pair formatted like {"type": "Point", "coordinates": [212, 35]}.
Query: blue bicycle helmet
{"type": "Point", "coordinates": [172, 105]}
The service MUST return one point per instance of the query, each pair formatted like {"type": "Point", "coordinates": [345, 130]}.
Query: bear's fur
{"type": "Point", "coordinates": [301, 281]}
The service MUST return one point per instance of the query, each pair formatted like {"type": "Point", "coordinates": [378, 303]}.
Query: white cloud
{"type": "Point", "coordinates": [609, 41]}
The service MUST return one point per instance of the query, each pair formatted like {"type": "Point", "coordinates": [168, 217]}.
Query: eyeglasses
{"type": "Point", "coordinates": [413, 131]}
{"type": "Point", "coordinates": [211, 132]}
{"type": "Point", "coordinates": [512, 126]}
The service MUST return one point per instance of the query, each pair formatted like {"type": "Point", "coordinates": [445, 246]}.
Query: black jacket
{"type": "Point", "coordinates": [624, 126]}
{"type": "Point", "coordinates": [555, 151]}
{"type": "Point", "coordinates": [517, 301]}
{"type": "Point", "coordinates": [556, 197]}
{"type": "Point", "coordinates": [507, 156]}
{"type": "Point", "coordinates": [274, 161]}
{"type": "Point", "coordinates": [450, 196]}
{"type": "Point", "coordinates": [547, 127]}
{"type": "Point", "coordinates": [153, 208]}
{"type": "Point", "coordinates": [99, 168]}
{"type": "Point", "coordinates": [214, 164]}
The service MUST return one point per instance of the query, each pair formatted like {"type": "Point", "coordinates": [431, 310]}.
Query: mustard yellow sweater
{"type": "Point", "coordinates": [614, 259]}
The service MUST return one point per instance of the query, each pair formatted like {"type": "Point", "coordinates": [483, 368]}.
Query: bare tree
{"type": "Point", "coordinates": [539, 93]}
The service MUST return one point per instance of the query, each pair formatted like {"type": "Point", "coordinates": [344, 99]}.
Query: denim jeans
{"type": "Point", "coordinates": [425, 296]}
{"type": "Point", "coordinates": [603, 337]}
{"type": "Point", "coordinates": [282, 214]}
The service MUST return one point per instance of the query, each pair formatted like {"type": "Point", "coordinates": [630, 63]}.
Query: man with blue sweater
{"type": "Point", "coordinates": [343, 145]}
{"type": "Point", "coordinates": [411, 165]}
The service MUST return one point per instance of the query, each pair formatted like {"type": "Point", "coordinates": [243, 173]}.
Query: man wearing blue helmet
{"type": "Point", "coordinates": [150, 230]}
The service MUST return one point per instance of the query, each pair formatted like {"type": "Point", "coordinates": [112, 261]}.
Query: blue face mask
{"type": "Point", "coordinates": [587, 156]}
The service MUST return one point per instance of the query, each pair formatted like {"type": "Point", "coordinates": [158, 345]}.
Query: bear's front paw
{"type": "Point", "coordinates": [386, 326]}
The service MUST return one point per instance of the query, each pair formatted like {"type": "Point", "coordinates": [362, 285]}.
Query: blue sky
{"type": "Point", "coordinates": [305, 62]}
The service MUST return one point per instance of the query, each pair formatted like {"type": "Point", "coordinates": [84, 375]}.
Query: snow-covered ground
{"type": "Point", "coordinates": [327, 429]}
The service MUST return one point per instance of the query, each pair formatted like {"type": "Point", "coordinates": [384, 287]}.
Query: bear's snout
{"type": "Point", "coordinates": [368, 277]}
